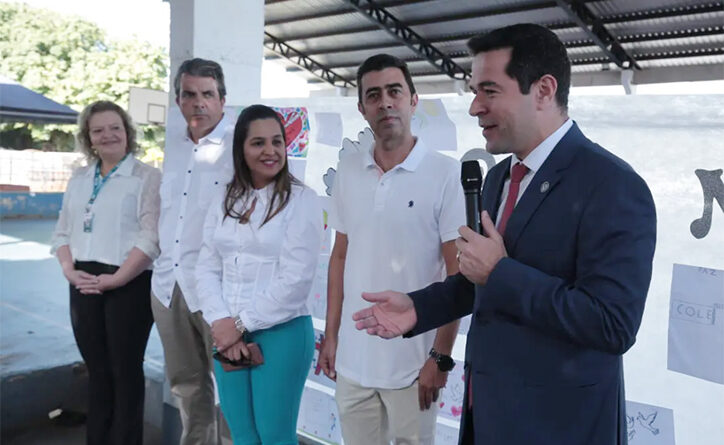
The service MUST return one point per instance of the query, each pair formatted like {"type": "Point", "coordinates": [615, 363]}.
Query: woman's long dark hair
{"type": "Point", "coordinates": [240, 188]}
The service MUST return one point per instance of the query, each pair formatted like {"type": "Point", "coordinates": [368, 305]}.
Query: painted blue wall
{"type": "Point", "coordinates": [30, 205]}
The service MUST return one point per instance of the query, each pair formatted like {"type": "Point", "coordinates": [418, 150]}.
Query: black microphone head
{"type": "Point", "coordinates": [471, 177]}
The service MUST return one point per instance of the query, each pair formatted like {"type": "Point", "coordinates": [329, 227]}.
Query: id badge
{"type": "Point", "coordinates": [88, 221]}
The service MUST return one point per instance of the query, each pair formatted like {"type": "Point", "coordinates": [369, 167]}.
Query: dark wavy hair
{"type": "Point", "coordinates": [83, 135]}
{"type": "Point", "coordinates": [535, 52]}
{"type": "Point", "coordinates": [240, 188]}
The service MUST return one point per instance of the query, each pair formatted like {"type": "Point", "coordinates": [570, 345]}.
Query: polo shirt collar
{"type": "Point", "coordinates": [411, 162]}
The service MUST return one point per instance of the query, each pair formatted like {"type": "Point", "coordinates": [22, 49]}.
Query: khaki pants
{"type": "Point", "coordinates": [373, 416]}
{"type": "Point", "coordinates": [187, 343]}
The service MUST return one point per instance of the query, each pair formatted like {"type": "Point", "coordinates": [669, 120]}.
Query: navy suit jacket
{"type": "Point", "coordinates": [549, 327]}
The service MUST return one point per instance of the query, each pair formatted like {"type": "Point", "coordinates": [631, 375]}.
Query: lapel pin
{"type": "Point", "coordinates": [410, 204]}
{"type": "Point", "coordinates": [544, 187]}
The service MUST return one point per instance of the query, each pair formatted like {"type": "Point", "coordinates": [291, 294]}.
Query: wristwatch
{"type": "Point", "coordinates": [444, 362]}
{"type": "Point", "coordinates": [239, 325]}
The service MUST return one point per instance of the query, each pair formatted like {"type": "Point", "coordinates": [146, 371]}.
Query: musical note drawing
{"type": "Point", "coordinates": [713, 188]}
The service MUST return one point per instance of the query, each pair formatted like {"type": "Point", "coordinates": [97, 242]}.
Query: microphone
{"type": "Point", "coordinates": [472, 181]}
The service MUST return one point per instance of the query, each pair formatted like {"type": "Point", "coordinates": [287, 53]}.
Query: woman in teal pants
{"type": "Point", "coordinates": [261, 242]}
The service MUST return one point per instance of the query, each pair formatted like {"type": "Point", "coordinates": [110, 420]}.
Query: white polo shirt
{"type": "Point", "coordinates": [192, 175]}
{"type": "Point", "coordinates": [395, 224]}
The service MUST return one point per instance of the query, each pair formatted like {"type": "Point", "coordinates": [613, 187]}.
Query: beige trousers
{"type": "Point", "coordinates": [187, 343]}
{"type": "Point", "coordinates": [373, 416]}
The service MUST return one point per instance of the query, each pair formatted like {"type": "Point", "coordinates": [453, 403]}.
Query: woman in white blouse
{"type": "Point", "coordinates": [261, 242]}
{"type": "Point", "coordinates": [105, 239]}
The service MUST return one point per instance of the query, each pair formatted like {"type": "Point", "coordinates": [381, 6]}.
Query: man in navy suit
{"type": "Point", "coordinates": [557, 283]}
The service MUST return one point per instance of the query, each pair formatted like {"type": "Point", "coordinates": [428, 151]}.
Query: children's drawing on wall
{"type": "Point", "coordinates": [451, 402]}
{"type": "Point", "coordinates": [329, 128]}
{"type": "Point", "coordinates": [432, 123]}
{"type": "Point", "coordinates": [318, 416]}
{"type": "Point", "coordinates": [315, 372]}
{"type": "Point", "coordinates": [317, 301]}
{"type": "Point", "coordinates": [296, 127]}
{"type": "Point", "coordinates": [649, 425]}
{"type": "Point", "coordinates": [445, 435]}
{"type": "Point", "coordinates": [696, 322]}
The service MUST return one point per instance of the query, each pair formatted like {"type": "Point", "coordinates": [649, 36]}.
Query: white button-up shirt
{"type": "Point", "coordinates": [192, 175]}
{"type": "Point", "coordinates": [125, 214]}
{"type": "Point", "coordinates": [263, 274]}
{"type": "Point", "coordinates": [396, 223]}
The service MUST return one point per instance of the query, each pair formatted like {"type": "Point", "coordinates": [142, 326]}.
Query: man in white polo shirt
{"type": "Point", "coordinates": [396, 210]}
{"type": "Point", "coordinates": [197, 163]}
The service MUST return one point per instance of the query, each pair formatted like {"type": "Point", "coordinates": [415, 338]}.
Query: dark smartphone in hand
{"type": "Point", "coordinates": [256, 358]}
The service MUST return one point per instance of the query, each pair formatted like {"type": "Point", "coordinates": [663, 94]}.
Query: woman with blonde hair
{"type": "Point", "coordinates": [105, 240]}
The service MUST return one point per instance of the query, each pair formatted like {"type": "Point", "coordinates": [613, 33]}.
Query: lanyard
{"type": "Point", "coordinates": [99, 181]}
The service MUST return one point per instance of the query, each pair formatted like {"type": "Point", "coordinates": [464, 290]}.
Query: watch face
{"type": "Point", "coordinates": [445, 364]}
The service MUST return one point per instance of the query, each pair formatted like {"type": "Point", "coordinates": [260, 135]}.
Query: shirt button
{"type": "Point", "coordinates": [175, 265]}
{"type": "Point", "coordinates": [181, 217]}
{"type": "Point", "coordinates": [188, 171]}
{"type": "Point", "coordinates": [195, 150]}
{"type": "Point", "coordinates": [185, 193]}
{"type": "Point", "coordinates": [216, 182]}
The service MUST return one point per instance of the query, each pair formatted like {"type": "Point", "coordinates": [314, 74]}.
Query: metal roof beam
{"type": "Point", "coordinates": [593, 26]}
{"type": "Point", "coordinates": [304, 61]}
{"type": "Point", "coordinates": [419, 58]}
{"type": "Point", "coordinates": [658, 55]}
{"type": "Point", "coordinates": [405, 35]}
{"type": "Point", "coordinates": [662, 13]}
{"type": "Point", "coordinates": [475, 14]}
{"type": "Point", "coordinates": [707, 31]}
{"type": "Point", "coordinates": [336, 12]}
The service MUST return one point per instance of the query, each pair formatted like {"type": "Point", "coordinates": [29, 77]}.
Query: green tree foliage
{"type": "Point", "coordinates": [74, 62]}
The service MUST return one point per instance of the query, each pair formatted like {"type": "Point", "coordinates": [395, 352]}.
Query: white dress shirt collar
{"type": "Point", "coordinates": [538, 156]}
{"type": "Point", "coordinates": [217, 134]}
{"type": "Point", "coordinates": [125, 167]}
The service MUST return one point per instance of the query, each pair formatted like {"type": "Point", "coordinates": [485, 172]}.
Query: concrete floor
{"type": "Point", "coordinates": [36, 341]}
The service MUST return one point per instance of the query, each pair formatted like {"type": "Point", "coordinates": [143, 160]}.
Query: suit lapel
{"type": "Point", "coordinates": [493, 187]}
{"type": "Point", "coordinates": [543, 183]}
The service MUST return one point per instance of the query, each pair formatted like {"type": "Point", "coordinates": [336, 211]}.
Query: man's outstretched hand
{"type": "Point", "coordinates": [391, 315]}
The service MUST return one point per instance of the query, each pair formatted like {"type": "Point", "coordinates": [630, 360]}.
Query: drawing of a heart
{"type": "Point", "coordinates": [292, 126]}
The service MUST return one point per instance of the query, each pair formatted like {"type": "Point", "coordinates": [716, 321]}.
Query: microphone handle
{"type": "Point", "coordinates": [472, 211]}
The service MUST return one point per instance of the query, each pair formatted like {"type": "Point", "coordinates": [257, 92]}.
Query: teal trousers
{"type": "Point", "coordinates": [261, 404]}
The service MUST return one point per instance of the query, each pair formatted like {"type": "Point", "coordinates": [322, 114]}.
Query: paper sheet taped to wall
{"type": "Point", "coordinates": [696, 322]}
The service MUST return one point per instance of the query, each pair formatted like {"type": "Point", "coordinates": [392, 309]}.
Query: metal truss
{"type": "Point", "coordinates": [336, 12]}
{"type": "Point", "coordinates": [593, 26]}
{"type": "Point", "coordinates": [405, 35]}
{"type": "Point", "coordinates": [305, 62]}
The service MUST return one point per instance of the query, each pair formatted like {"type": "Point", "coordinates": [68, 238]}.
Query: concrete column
{"type": "Point", "coordinates": [230, 32]}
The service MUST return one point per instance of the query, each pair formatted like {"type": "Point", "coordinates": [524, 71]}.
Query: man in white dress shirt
{"type": "Point", "coordinates": [197, 163]}
{"type": "Point", "coordinates": [396, 210]}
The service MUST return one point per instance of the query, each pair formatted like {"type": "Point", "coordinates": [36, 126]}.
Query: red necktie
{"type": "Point", "coordinates": [519, 171]}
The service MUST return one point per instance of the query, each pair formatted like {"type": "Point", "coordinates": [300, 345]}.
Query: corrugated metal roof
{"type": "Point", "coordinates": [328, 39]}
